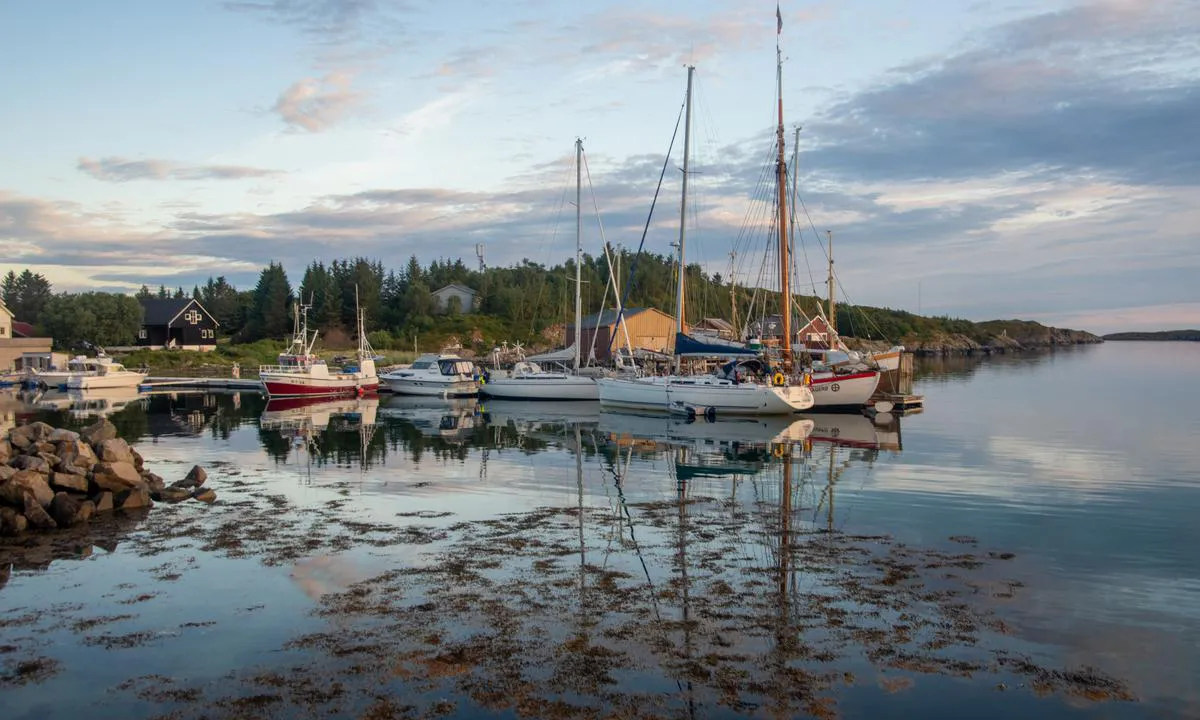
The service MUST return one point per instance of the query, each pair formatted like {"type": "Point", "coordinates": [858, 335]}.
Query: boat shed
{"type": "Point", "coordinates": [176, 323]}
{"type": "Point", "coordinates": [649, 329]}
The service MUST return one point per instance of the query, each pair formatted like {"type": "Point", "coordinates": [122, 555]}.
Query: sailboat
{"type": "Point", "coordinates": [707, 394]}
{"type": "Point", "coordinates": [528, 381]}
{"type": "Point", "coordinates": [300, 373]}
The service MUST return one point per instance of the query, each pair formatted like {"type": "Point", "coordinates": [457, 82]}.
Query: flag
{"type": "Point", "coordinates": [778, 21]}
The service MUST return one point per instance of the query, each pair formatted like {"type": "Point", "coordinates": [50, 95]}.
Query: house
{"type": "Point", "coordinates": [814, 335]}
{"type": "Point", "coordinates": [443, 298]}
{"type": "Point", "coordinates": [648, 328]}
{"type": "Point", "coordinates": [176, 323]}
{"type": "Point", "coordinates": [715, 326]}
{"type": "Point", "coordinates": [16, 339]}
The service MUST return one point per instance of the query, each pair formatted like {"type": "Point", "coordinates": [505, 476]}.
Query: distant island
{"type": "Point", "coordinates": [1162, 335]}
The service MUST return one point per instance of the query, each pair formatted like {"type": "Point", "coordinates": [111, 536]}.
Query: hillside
{"type": "Point", "coordinates": [1164, 335]}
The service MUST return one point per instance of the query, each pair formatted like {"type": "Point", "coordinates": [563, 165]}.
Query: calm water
{"type": "Point", "coordinates": [545, 559]}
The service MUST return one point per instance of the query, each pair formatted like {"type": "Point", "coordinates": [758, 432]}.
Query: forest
{"type": "Point", "coordinates": [527, 302]}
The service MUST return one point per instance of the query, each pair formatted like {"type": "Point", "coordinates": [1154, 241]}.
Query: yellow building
{"type": "Point", "coordinates": [648, 328]}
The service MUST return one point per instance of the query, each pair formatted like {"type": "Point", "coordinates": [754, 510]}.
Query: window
{"type": "Point", "coordinates": [207, 333]}
{"type": "Point", "coordinates": [142, 334]}
{"type": "Point", "coordinates": [3, 331]}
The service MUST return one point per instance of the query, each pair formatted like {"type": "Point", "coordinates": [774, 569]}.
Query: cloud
{"type": "Point", "coordinates": [326, 21]}
{"type": "Point", "coordinates": [314, 104]}
{"type": "Point", "coordinates": [119, 169]}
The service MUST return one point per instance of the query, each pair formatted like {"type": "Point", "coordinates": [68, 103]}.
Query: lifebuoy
{"type": "Point", "coordinates": [778, 450]}
{"type": "Point", "coordinates": [779, 380]}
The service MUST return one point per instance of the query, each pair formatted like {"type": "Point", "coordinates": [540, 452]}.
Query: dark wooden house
{"type": "Point", "coordinates": [172, 323]}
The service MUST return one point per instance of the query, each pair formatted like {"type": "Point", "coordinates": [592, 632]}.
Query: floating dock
{"type": "Point", "coordinates": [202, 383]}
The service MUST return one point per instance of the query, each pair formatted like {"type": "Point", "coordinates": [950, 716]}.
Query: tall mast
{"type": "Point", "coordinates": [578, 245]}
{"type": "Point", "coordinates": [795, 190]}
{"type": "Point", "coordinates": [832, 305]}
{"type": "Point", "coordinates": [687, 145]}
{"type": "Point", "coordinates": [733, 319]}
{"type": "Point", "coordinates": [785, 287]}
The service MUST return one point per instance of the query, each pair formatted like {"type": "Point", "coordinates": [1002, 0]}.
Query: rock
{"type": "Point", "coordinates": [207, 495]}
{"type": "Point", "coordinates": [117, 476]}
{"type": "Point", "coordinates": [18, 441]}
{"type": "Point", "coordinates": [173, 494]}
{"type": "Point", "coordinates": [32, 463]}
{"type": "Point", "coordinates": [6, 472]}
{"type": "Point", "coordinates": [138, 461]}
{"type": "Point", "coordinates": [60, 434]}
{"type": "Point", "coordinates": [154, 483]}
{"type": "Point", "coordinates": [12, 522]}
{"type": "Point", "coordinates": [132, 499]}
{"type": "Point", "coordinates": [98, 432]}
{"type": "Point", "coordinates": [65, 510]}
{"type": "Point", "coordinates": [194, 479]}
{"type": "Point", "coordinates": [37, 516]}
{"type": "Point", "coordinates": [76, 452]}
{"type": "Point", "coordinates": [103, 501]}
{"type": "Point", "coordinates": [69, 481]}
{"type": "Point", "coordinates": [114, 450]}
{"type": "Point", "coordinates": [87, 509]}
{"type": "Point", "coordinates": [24, 436]}
{"type": "Point", "coordinates": [45, 447]}
{"type": "Point", "coordinates": [69, 469]}
{"type": "Point", "coordinates": [26, 482]}
{"type": "Point", "coordinates": [6, 451]}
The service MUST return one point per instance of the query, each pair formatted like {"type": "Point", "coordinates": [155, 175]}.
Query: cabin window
{"type": "Point", "coordinates": [422, 365]}
{"type": "Point", "coordinates": [3, 331]}
{"type": "Point", "coordinates": [206, 333]}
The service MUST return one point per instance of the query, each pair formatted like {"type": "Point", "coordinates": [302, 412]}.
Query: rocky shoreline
{"type": "Point", "coordinates": [52, 478]}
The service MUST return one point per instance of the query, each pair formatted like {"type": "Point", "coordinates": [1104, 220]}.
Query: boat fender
{"type": "Point", "coordinates": [710, 413]}
{"type": "Point", "coordinates": [779, 380]}
{"type": "Point", "coordinates": [807, 379]}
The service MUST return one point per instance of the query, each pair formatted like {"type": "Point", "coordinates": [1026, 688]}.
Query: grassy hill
{"type": "Point", "coordinates": [1164, 335]}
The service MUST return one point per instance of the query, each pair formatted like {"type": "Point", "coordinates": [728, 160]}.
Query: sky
{"type": "Point", "coordinates": [984, 160]}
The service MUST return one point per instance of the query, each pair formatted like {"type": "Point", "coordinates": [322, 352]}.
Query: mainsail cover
{"type": "Point", "coordinates": [688, 346]}
{"type": "Point", "coordinates": [561, 356]}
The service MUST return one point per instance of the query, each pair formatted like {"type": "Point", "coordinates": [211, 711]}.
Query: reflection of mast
{"type": "Point", "coordinates": [681, 493]}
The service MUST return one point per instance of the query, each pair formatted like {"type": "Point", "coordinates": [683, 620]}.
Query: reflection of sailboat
{"type": "Point", "coordinates": [882, 433]}
{"type": "Point", "coordinates": [523, 414]}
{"type": "Point", "coordinates": [100, 402]}
{"type": "Point", "coordinates": [721, 431]}
{"type": "Point", "coordinates": [449, 419]}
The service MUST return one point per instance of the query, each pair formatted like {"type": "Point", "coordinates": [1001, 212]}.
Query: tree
{"type": "Point", "coordinates": [270, 312]}
{"type": "Point", "coordinates": [26, 294]}
{"type": "Point", "coordinates": [95, 318]}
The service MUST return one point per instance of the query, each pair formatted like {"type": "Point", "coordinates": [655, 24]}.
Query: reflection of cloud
{"type": "Point", "coordinates": [323, 574]}
{"type": "Point", "coordinates": [118, 169]}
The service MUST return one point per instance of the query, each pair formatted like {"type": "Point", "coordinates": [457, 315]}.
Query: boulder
{"type": "Point", "coordinates": [18, 441]}
{"type": "Point", "coordinates": [173, 494]}
{"type": "Point", "coordinates": [44, 447]}
{"type": "Point", "coordinates": [24, 436]}
{"type": "Point", "coordinates": [194, 479]}
{"type": "Point", "coordinates": [138, 461]}
{"type": "Point", "coordinates": [98, 432]}
{"type": "Point", "coordinates": [60, 434]}
{"type": "Point", "coordinates": [207, 495]}
{"type": "Point", "coordinates": [87, 509]}
{"type": "Point", "coordinates": [33, 463]}
{"type": "Point", "coordinates": [154, 483]}
{"type": "Point", "coordinates": [37, 516]}
{"type": "Point", "coordinates": [103, 501]}
{"type": "Point", "coordinates": [76, 452]}
{"type": "Point", "coordinates": [26, 482]}
{"type": "Point", "coordinates": [70, 469]}
{"type": "Point", "coordinates": [132, 499]}
{"type": "Point", "coordinates": [6, 450]}
{"type": "Point", "coordinates": [117, 476]}
{"type": "Point", "coordinates": [6, 472]}
{"type": "Point", "coordinates": [114, 450]}
{"type": "Point", "coordinates": [69, 481]}
{"type": "Point", "coordinates": [65, 510]}
{"type": "Point", "coordinates": [12, 522]}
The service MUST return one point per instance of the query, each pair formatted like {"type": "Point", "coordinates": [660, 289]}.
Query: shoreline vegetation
{"type": "Point", "coordinates": [1158, 336]}
{"type": "Point", "coordinates": [526, 302]}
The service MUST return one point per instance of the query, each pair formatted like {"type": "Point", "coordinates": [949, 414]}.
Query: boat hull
{"type": "Point", "coordinates": [431, 388]}
{"type": "Point", "coordinates": [97, 382]}
{"type": "Point", "coordinates": [663, 394]}
{"type": "Point", "coordinates": [554, 387]}
{"type": "Point", "coordinates": [297, 385]}
{"type": "Point", "coordinates": [843, 392]}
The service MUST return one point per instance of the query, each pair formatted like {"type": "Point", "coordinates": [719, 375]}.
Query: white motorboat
{"type": "Point", "coordinates": [85, 373]}
{"type": "Point", "coordinates": [433, 374]}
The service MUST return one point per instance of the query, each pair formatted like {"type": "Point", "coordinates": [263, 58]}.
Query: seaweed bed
{"type": "Point", "coordinates": [652, 610]}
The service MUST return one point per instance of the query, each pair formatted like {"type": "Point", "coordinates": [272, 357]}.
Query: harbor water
{"type": "Point", "coordinates": [1026, 546]}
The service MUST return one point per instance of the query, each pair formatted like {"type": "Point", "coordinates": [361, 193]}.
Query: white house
{"type": "Point", "coordinates": [442, 298]}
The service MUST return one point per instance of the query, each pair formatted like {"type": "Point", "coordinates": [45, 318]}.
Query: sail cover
{"type": "Point", "coordinates": [688, 346]}
{"type": "Point", "coordinates": [564, 355]}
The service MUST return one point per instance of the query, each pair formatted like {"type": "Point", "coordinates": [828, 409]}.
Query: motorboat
{"type": "Point", "coordinates": [434, 374]}
{"type": "Point", "coordinates": [89, 373]}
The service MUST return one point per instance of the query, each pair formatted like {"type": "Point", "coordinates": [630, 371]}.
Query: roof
{"type": "Point", "coordinates": [4, 309]}
{"type": "Point", "coordinates": [608, 318]}
{"type": "Point", "coordinates": [455, 286]}
{"type": "Point", "coordinates": [717, 323]}
{"type": "Point", "coordinates": [23, 329]}
{"type": "Point", "coordinates": [163, 311]}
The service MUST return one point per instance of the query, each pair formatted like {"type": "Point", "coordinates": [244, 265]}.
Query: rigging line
{"type": "Point", "coordinates": [803, 245]}
{"type": "Point", "coordinates": [633, 265]}
{"type": "Point", "coordinates": [534, 314]}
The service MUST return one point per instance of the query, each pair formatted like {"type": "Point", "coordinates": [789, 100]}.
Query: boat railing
{"type": "Point", "coordinates": [283, 369]}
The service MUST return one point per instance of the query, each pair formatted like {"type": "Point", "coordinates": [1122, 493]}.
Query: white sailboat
{"type": "Point", "coordinates": [706, 394]}
{"type": "Point", "coordinates": [528, 380]}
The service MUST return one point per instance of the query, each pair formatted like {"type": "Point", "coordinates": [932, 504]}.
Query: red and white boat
{"type": "Point", "coordinates": [843, 390]}
{"type": "Point", "coordinates": [300, 373]}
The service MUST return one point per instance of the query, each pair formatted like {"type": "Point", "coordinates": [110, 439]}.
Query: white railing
{"type": "Point", "coordinates": [283, 369]}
